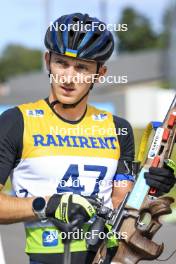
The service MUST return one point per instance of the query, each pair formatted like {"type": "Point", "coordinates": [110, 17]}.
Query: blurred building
{"type": "Point", "coordinates": [140, 100]}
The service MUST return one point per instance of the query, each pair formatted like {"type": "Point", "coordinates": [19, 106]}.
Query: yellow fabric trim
{"type": "Point", "coordinates": [144, 142]}
{"type": "Point", "coordinates": [34, 242]}
{"type": "Point", "coordinates": [44, 152]}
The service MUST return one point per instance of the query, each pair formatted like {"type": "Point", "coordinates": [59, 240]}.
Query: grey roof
{"type": "Point", "coordinates": [139, 67]}
{"type": "Point", "coordinates": [26, 88]}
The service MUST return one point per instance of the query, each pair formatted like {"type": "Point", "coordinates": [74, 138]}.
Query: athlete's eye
{"type": "Point", "coordinates": [61, 62]}
{"type": "Point", "coordinates": [81, 67]}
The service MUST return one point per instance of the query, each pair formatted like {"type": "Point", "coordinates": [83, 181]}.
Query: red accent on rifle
{"type": "Point", "coordinates": [166, 134]}
{"type": "Point", "coordinates": [171, 120]}
{"type": "Point", "coordinates": [155, 162]}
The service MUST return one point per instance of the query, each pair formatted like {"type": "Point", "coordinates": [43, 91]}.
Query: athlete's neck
{"type": "Point", "coordinates": [70, 114]}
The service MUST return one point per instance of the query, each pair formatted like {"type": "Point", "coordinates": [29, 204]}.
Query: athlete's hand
{"type": "Point", "coordinates": [163, 179]}
{"type": "Point", "coordinates": [67, 207]}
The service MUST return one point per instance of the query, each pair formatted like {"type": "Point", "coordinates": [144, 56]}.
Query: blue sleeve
{"type": "Point", "coordinates": [124, 177]}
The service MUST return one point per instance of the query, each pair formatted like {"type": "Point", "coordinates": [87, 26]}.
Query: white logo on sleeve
{"type": "Point", "coordinates": [35, 113]}
{"type": "Point", "coordinates": [99, 117]}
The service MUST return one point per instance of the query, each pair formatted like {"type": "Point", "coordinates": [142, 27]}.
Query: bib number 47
{"type": "Point", "coordinates": [72, 174]}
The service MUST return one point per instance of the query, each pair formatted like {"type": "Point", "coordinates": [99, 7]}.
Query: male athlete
{"type": "Point", "coordinates": [59, 149]}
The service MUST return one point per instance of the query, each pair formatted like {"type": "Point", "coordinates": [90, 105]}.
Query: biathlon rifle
{"type": "Point", "coordinates": [142, 203]}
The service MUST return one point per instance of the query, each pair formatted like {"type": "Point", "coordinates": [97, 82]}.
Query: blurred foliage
{"type": "Point", "coordinates": [140, 34]}
{"type": "Point", "coordinates": [17, 59]}
{"type": "Point", "coordinates": [165, 36]}
{"type": "Point", "coordinates": [165, 84]}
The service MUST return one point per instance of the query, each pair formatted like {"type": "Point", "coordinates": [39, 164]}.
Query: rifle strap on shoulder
{"type": "Point", "coordinates": [145, 138]}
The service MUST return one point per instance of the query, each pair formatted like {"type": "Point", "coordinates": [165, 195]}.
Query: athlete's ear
{"type": "Point", "coordinates": [102, 71]}
{"type": "Point", "coordinates": [47, 60]}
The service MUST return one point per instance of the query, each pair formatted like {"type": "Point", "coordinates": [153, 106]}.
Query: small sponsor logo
{"type": "Point", "coordinates": [50, 238]}
{"type": "Point", "coordinates": [99, 117]}
{"type": "Point", "coordinates": [156, 143]}
{"type": "Point", "coordinates": [35, 113]}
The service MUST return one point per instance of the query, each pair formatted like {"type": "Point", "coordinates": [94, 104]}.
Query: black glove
{"type": "Point", "coordinates": [163, 179]}
{"type": "Point", "coordinates": [66, 207]}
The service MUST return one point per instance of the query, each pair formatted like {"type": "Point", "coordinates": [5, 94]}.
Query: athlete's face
{"type": "Point", "coordinates": [71, 78]}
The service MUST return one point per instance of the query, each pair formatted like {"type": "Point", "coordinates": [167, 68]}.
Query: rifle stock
{"type": "Point", "coordinates": [139, 245]}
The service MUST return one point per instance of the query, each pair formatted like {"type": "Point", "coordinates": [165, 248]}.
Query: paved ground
{"type": "Point", "coordinates": [12, 237]}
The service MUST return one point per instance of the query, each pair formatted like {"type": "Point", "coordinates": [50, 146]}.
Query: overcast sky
{"type": "Point", "coordinates": [24, 21]}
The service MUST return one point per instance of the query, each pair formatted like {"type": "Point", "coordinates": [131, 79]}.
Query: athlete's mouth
{"type": "Point", "coordinates": [67, 89]}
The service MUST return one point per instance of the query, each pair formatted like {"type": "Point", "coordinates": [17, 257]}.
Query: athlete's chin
{"type": "Point", "coordinates": [67, 100]}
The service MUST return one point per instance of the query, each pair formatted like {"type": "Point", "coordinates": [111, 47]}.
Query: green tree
{"type": "Point", "coordinates": [17, 59]}
{"type": "Point", "coordinates": [165, 35]}
{"type": "Point", "coordinates": [139, 35]}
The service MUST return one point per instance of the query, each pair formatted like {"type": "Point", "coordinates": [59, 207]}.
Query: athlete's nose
{"type": "Point", "coordinates": [70, 74]}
